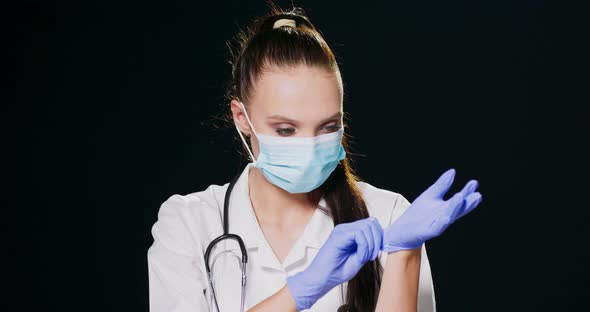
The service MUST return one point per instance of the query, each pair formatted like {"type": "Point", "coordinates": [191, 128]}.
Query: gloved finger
{"type": "Point", "coordinates": [361, 246]}
{"type": "Point", "coordinates": [471, 202]}
{"type": "Point", "coordinates": [371, 237]}
{"type": "Point", "coordinates": [346, 234]}
{"type": "Point", "coordinates": [442, 184]}
{"type": "Point", "coordinates": [454, 206]}
{"type": "Point", "coordinates": [469, 188]}
{"type": "Point", "coordinates": [377, 232]}
{"type": "Point", "coordinates": [351, 226]}
{"type": "Point", "coordinates": [366, 230]}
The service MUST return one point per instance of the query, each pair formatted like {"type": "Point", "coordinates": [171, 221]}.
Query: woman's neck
{"type": "Point", "coordinates": [274, 205]}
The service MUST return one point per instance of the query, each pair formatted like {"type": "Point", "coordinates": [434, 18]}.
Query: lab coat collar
{"type": "Point", "coordinates": [243, 222]}
{"type": "Point", "coordinates": [319, 227]}
{"type": "Point", "coordinates": [314, 235]}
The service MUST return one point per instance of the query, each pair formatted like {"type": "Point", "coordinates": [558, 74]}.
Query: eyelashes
{"type": "Point", "coordinates": [291, 130]}
{"type": "Point", "coordinates": [285, 131]}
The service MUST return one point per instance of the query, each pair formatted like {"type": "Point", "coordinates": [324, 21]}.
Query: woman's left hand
{"type": "Point", "coordinates": [347, 249]}
{"type": "Point", "coordinates": [429, 215]}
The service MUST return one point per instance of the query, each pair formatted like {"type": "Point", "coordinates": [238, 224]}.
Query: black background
{"type": "Point", "coordinates": [114, 107]}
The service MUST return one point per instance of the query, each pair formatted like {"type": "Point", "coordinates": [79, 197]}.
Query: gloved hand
{"type": "Point", "coordinates": [429, 215]}
{"type": "Point", "coordinates": [347, 249]}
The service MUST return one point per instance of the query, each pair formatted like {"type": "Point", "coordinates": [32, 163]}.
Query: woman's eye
{"type": "Point", "coordinates": [290, 131]}
{"type": "Point", "coordinates": [332, 128]}
{"type": "Point", "coordinates": [285, 131]}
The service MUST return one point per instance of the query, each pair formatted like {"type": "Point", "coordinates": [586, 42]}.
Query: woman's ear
{"type": "Point", "coordinates": [239, 117]}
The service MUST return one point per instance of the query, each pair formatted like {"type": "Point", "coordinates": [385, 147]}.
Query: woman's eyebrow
{"type": "Point", "coordinates": [283, 118]}
{"type": "Point", "coordinates": [337, 115]}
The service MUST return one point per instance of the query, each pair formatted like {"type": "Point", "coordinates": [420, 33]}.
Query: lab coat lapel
{"type": "Point", "coordinates": [242, 221]}
{"type": "Point", "coordinates": [314, 235]}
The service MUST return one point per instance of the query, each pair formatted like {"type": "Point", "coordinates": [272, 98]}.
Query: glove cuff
{"type": "Point", "coordinates": [392, 248]}
{"type": "Point", "coordinates": [299, 292]}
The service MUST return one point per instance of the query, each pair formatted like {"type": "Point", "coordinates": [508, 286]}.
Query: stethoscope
{"type": "Point", "coordinates": [227, 235]}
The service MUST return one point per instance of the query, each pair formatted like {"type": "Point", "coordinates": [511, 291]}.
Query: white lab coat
{"type": "Point", "coordinates": [186, 224]}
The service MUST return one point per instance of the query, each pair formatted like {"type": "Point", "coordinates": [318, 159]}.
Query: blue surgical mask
{"type": "Point", "coordinates": [297, 164]}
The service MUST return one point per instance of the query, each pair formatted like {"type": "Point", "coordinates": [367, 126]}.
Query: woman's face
{"type": "Point", "coordinates": [303, 101]}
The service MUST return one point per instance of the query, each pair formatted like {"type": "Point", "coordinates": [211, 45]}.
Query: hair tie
{"type": "Point", "coordinates": [284, 22]}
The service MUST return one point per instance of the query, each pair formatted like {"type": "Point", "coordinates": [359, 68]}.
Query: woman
{"type": "Point", "coordinates": [362, 249]}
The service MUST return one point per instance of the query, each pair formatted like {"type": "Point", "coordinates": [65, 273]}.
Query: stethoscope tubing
{"type": "Point", "coordinates": [224, 236]}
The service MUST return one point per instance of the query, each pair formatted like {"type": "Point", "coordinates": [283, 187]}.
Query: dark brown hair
{"type": "Point", "coordinates": [261, 46]}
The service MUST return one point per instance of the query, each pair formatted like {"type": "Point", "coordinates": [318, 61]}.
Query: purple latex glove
{"type": "Point", "coordinates": [347, 249]}
{"type": "Point", "coordinates": [429, 215]}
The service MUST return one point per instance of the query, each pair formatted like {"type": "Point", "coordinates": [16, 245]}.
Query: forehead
{"type": "Point", "coordinates": [300, 92]}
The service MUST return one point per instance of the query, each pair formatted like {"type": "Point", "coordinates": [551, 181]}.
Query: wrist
{"type": "Point", "coordinates": [286, 297]}
{"type": "Point", "coordinates": [394, 240]}
{"type": "Point", "coordinates": [302, 293]}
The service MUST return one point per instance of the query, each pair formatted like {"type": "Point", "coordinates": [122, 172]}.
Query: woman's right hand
{"type": "Point", "coordinates": [429, 215]}
{"type": "Point", "coordinates": [347, 249]}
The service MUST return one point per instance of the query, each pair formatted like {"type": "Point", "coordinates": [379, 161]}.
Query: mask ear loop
{"type": "Point", "coordinates": [240, 132]}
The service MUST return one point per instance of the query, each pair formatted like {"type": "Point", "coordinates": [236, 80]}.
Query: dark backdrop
{"type": "Point", "coordinates": [116, 102]}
